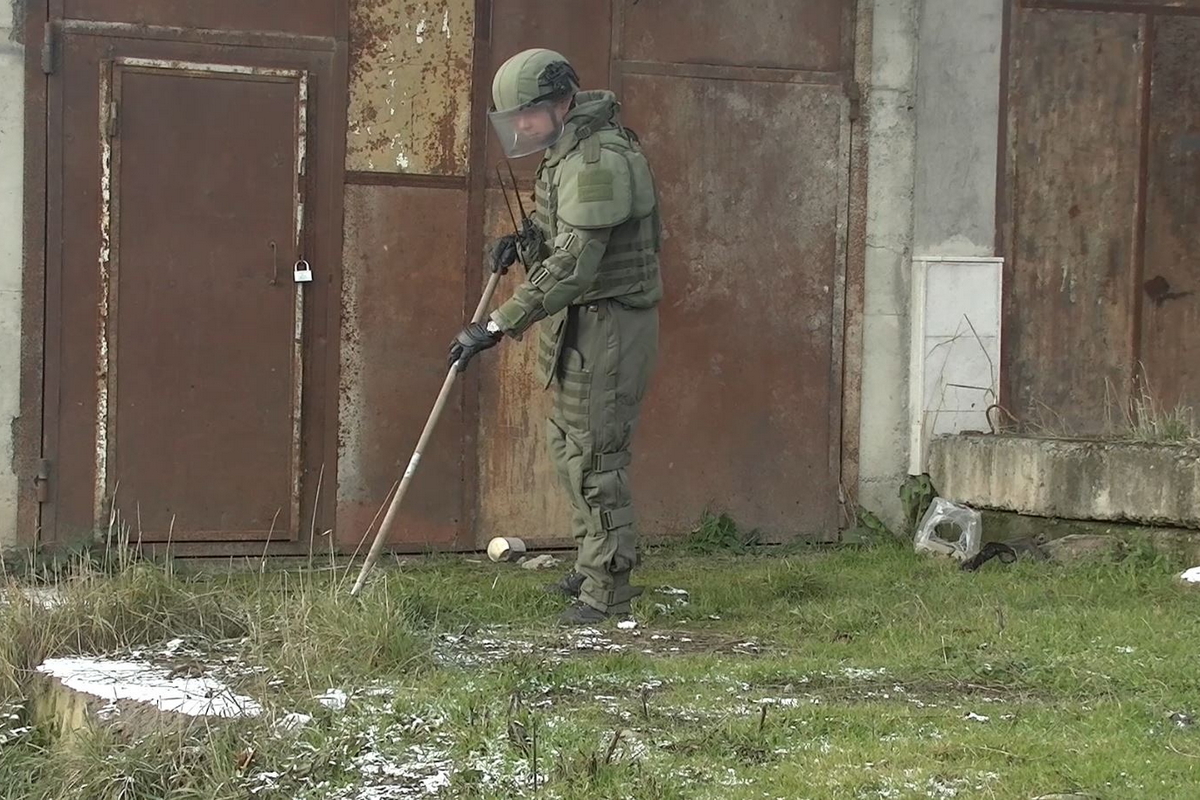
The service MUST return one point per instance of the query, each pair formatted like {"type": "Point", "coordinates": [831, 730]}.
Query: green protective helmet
{"type": "Point", "coordinates": [525, 91]}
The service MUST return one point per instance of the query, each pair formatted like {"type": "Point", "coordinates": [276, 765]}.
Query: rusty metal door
{"type": "Point", "coordinates": [179, 399]}
{"type": "Point", "coordinates": [744, 110]}
{"type": "Point", "coordinates": [1168, 348]}
{"type": "Point", "coordinates": [1101, 177]}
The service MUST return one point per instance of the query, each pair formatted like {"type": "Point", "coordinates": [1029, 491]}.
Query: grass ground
{"type": "Point", "coordinates": [854, 673]}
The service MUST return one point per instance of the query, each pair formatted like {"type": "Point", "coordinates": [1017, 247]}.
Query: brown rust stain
{"type": "Point", "coordinates": [1074, 143]}
{"type": "Point", "coordinates": [410, 86]}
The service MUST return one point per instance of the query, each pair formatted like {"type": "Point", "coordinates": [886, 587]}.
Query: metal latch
{"type": "Point", "coordinates": [41, 480]}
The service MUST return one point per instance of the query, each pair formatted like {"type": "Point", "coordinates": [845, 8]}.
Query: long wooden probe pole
{"type": "Point", "coordinates": [389, 519]}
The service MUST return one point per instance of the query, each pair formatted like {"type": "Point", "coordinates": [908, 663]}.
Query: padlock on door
{"type": "Point", "coordinates": [303, 272]}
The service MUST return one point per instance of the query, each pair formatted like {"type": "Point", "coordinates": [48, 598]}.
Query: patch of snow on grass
{"type": "Point", "coordinates": [10, 728]}
{"type": "Point", "coordinates": [294, 721]}
{"type": "Point", "coordinates": [144, 683]}
{"type": "Point", "coordinates": [333, 698]}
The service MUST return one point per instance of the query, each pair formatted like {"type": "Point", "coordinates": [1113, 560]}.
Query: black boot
{"type": "Point", "coordinates": [581, 614]}
{"type": "Point", "coordinates": [568, 586]}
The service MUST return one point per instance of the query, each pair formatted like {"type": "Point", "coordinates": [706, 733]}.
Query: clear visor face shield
{"type": "Point", "coordinates": [528, 129]}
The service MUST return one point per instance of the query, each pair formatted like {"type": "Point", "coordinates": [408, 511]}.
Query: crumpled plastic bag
{"type": "Point", "coordinates": [943, 512]}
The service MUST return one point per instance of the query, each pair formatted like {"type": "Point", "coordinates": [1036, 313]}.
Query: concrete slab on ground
{"type": "Point", "coordinates": [1071, 479]}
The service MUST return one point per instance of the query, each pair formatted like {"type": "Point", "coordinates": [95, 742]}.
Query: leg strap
{"type": "Point", "coordinates": [609, 462]}
{"type": "Point", "coordinates": [616, 518]}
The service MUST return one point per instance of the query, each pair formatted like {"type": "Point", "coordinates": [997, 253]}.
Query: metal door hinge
{"type": "Point", "coordinates": [854, 95]}
{"type": "Point", "coordinates": [114, 119]}
{"type": "Point", "coordinates": [41, 481]}
{"type": "Point", "coordinates": [49, 48]}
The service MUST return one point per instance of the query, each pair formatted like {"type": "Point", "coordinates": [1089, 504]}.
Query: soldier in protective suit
{"type": "Point", "coordinates": [593, 284]}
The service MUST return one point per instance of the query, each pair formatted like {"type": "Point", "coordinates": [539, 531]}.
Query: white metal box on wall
{"type": "Point", "coordinates": [955, 348]}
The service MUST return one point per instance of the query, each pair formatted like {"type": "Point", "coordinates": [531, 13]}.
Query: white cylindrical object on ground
{"type": "Point", "coordinates": [505, 548]}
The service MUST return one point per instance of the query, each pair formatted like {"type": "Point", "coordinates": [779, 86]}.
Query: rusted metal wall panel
{"type": "Point", "coordinates": [1117, 5]}
{"type": "Point", "coordinates": [73, 294]}
{"type": "Point", "coordinates": [402, 302]}
{"type": "Point", "coordinates": [28, 434]}
{"type": "Point", "coordinates": [749, 33]}
{"type": "Point", "coordinates": [1075, 109]}
{"type": "Point", "coordinates": [305, 17]}
{"type": "Point", "coordinates": [580, 31]}
{"type": "Point", "coordinates": [739, 411]}
{"type": "Point", "coordinates": [410, 86]}
{"type": "Point", "coordinates": [520, 493]}
{"type": "Point", "coordinates": [1170, 350]}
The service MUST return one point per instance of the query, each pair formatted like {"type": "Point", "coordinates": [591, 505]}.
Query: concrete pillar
{"type": "Point", "coordinates": [892, 132]}
{"type": "Point", "coordinates": [12, 122]}
{"type": "Point", "coordinates": [933, 132]}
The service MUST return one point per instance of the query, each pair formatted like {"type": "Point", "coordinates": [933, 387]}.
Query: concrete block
{"type": "Point", "coordinates": [1071, 479]}
{"type": "Point", "coordinates": [72, 695]}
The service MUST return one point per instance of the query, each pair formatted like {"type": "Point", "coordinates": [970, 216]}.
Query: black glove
{"type": "Point", "coordinates": [473, 339]}
{"type": "Point", "coordinates": [504, 253]}
{"type": "Point", "coordinates": [530, 243]}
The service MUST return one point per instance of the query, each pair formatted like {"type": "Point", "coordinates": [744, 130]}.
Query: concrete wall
{"type": "Point", "coordinates": [12, 100]}
{"type": "Point", "coordinates": [933, 128]}
{"type": "Point", "coordinates": [958, 121]}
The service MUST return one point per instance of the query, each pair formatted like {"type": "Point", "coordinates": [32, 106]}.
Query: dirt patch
{"type": "Point", "coordinates": [495, 644]}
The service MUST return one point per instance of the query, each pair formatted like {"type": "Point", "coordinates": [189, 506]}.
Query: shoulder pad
{"type": "Point", "coordinates": [597, 194]}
